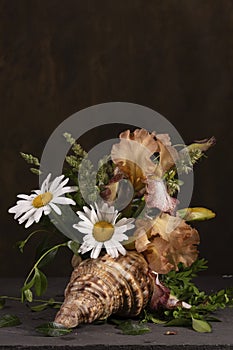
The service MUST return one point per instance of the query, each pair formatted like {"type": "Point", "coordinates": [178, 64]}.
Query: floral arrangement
{"type": "Point", "coordinates": [148, 249]}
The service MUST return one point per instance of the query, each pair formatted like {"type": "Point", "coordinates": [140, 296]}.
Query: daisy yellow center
{"type": "Point", "coordinates": [103, 231]}
{"type": "Point", "coordinates": [42, 199]}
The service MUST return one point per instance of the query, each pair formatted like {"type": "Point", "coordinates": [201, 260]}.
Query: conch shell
{"type": "Point", "coordinates": [104, 286]}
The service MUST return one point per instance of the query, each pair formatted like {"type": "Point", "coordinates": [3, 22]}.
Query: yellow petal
{"type": "Point", "coordinates": [196, 214]}
{"type": "Point", "coordinates": [202, 145]}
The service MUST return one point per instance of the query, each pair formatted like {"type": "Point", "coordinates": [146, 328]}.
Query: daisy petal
{"type": "Point", "coordinates": [47, 210]}
{"type": "Point", "coordinates": [119, 247]}
{"type": "Point", "coordinates": [55, 183]}
{"type": "Point", "coordinates": [125, 221]}
{"type": "Point", "coordinates": [38, 214]}
{"type": "Point", "coordinates": [44, 186]}
{"type": "Point", "coordinates": [27, 215]}
{"type": "Point", "coordinates": [61, 191]}
{"type": "Point", "coordinates": [13, 210]}
{"type": "Point", "coordinates": [96, 251]}
{"type": "Point", "coordinates": [98, 213]}
{"type": "Point", "coordinates": [29, 222]}
{"type": "Point", "coordinates": [87, 211]}
{"type": "Point", "coordinates": [119, 236]}
{"type": "Point", "coordinates": [93, 217]}
{"type": "Point", "coordinates": [83, 217]}
{"type": "Point", "coordinates": [62, 184]}
{"type": "Point", "coordinates": [82, 229]}
{"type": "Point", "coordinates": [85, 248]}
{"type": "Point", "coordinates": [89, 239]}
{"type": "Point", "coordinates": [24, 196]}
{"type": "Point", "coordinates": [63, 200]}
{"type": "Point", "coordinates": [37, 192]}
{"type": "Point", "coordinates": [110, 250]}
{"type": "Point", "coordinates": [87, 224]}
{"type": "Point", "coordinates": [55, 208]}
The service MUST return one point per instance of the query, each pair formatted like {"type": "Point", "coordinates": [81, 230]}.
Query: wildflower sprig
{"type": "Point", "coordinates": [32, 160]}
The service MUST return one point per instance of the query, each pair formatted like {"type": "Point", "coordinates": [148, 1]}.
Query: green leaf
{"type": "Point", "coordinates": [2, 303]}
{"type": "Point", "coordinates": [201, 326]}
{"type": "Point", "coordinates": [74, 246]}
{"type": "Point", "coordinates": [213, 319]}
{"type": "Point", "coordinates": [28, 295]}
{"type": "Point", "coordinates": [9, 321]}
{"type": "Point", "coordinates": [179, 322]}
{"type": "Point", "coordinates": [28, 285]}
{"type": "Point", "coordinates": [40, 307]}
{"type": "Point", "coordinates": [129, 328]}
{"type": "Point", "coordinates": [150, 317]}
{"type": "Point", "coordinates": [54, 304]}
{"type": "Point", "coordinates": [53, 329]}
{"type": "Point", "coordinates": [36, 171]}
{"type": "Point", "coordinates": [40, 282]}
{"type": "Point", "coordinates": [48, 258]}
{"type": "Point", "coordinates": [51, 303]}
{"type": "Point", "coordinates": [20, 245]}
{"type": "Point", "coordinates": [26, 292]}
{"type": "Point", "coordinates": [156, 320]}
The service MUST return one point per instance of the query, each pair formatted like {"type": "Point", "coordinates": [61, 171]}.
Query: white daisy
{"type": "Point", "coordinates": [101, 230]}
{"type": "Point", "coordinates": [31, 207]}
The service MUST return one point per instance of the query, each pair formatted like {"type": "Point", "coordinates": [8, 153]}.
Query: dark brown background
{"type": "Point", "coordinates": [174, 56]}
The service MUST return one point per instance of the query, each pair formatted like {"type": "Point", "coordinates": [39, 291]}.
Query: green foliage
{"type": "Point", "coordinates": [51, 303]}
{"type": "Point", "coordinates": [87, 181]}
{"type": "Point", "coordinates": [30, 159]}
{"type": "Point", "coordinates": [172, 182]}
{"type": "Point", "coordinates": [105, 171]}
{"type": "Point", "coordinates": [195, 155]}
{"type": "Point", "coordinates": [79, 154]}
{"type": "Point", "coordinates": [184, 165]}
{"type": "Point", "coordinates": [53, 329]}
{"type": "Point", "coordinates": [149, 317]}
{"type": "Point", "coordinates": [41, 304]}
{"type": "Point", "coordinates": [181, 285]}
{"type": "Point", "coordinates": [40, 283]}
{"type": "Point", "coordinates": [81, 173]}
{"type": "Point", "coordinates": [36, 278]}
{"type": "Point", "coordinates": [130, 328]}
{"type": "Point", "coordinates": [36, 171]}
{"type": "Point", "coordinates": [48, 257]}
{"type": "Point", "coordinates": [201, 326]}
{"type": "Point", "coordinates": [188, 157]}
{"type": "Point", "coordinates": [9, 321]}
{"type": "Point", "coordinates": [74, 247]}
{"type": "Point", "coordinates": [180, 282]}
{"type": "Point", "coordinates": [76, 148]}
{"type": "Point", "coordinates": [21, 244]}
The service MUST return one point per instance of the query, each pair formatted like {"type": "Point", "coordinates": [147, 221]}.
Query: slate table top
{"type": "Point", "coordinates": [107, 336]}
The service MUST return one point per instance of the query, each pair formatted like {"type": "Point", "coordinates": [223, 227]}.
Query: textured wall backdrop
{"type": "Point", "coordinates": [174, 56]}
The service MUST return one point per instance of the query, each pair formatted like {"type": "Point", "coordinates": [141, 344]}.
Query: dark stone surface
{"type": "Point", "coordinates": [107, 336]}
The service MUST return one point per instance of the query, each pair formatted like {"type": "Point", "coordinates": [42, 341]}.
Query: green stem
{"type": "Point", "coordinates": [42, 257]}
{"type": "Point", "coordinates": [34, 232]}
{"type": "Point", "coordinates": [27, 239]}
{"type": "Point", "coordinates": [36, 300]}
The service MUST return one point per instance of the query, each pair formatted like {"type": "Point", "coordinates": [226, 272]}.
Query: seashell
{"type": "Point", "coordinates": [104, 286]}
